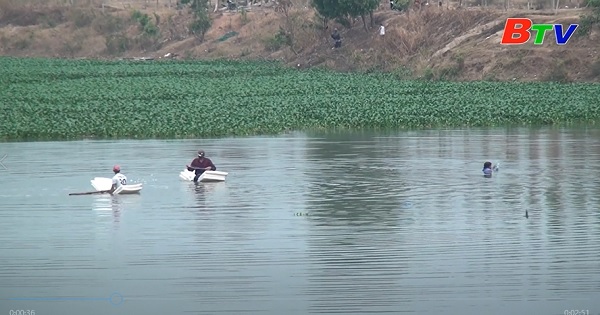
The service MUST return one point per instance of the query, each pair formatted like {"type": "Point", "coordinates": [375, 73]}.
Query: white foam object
{"type": "Point", "coordinates": [206, 177]}
{"type": "Point", "coordinates": [104, 183]}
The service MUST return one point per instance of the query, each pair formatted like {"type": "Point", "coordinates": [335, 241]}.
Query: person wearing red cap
{"type": "Point", "coordinates": [201, 164]}
{"type": "Point", "coordinates": [117, 180]}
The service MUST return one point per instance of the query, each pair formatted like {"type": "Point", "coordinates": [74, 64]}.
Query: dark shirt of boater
{"type": "Point", "coordinates": [202, 163]}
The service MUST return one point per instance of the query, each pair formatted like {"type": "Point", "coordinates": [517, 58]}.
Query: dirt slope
{"type": "Point", "coordinates": [434, 42]}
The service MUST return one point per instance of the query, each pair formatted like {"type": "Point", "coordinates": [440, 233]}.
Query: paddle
{"type": "Point", "coordinates": [90, 193]}
{"type": "Point", "coordinates": [197, 168]}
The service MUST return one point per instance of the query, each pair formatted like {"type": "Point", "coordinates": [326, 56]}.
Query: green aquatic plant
{"type": "Point", "coordinates": [70, 99]}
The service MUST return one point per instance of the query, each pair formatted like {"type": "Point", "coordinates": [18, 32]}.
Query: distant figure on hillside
{"type": "Point", "coordinates": [338, 39]}
{"type": "Point", "coordinates": [381, 30]}
{"type": "Point", "coordinates": [231, 5]}
{"type": "Point", "coordinates": [392, 4]}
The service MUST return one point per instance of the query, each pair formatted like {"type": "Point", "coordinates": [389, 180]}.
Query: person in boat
{"type": "Point", "coordinates": [201, 164]}
{"type": "Point", "coordinates": [118, 180]}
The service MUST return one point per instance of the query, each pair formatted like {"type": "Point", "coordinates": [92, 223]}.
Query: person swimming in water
{"type": "Point", "coordinates": [488, 169]}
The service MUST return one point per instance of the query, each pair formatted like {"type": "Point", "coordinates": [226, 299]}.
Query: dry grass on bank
{"type": "Point", "coordinates": [435, 42]}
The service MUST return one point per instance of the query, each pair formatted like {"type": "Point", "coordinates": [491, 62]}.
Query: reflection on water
{"type": "Point", "coordinates": [107, 203]}
{"type": "Point", "coordinates": [201, 191]}
{"type": "Point", "coordinates": [456, 221]}
{"type": "Point", "coordinates": [397, 222]}
{"type": "Point", "coordinates": [107, 206]}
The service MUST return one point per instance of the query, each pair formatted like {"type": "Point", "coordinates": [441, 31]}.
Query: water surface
{"type": "Point", "coordinates": [307, 223]}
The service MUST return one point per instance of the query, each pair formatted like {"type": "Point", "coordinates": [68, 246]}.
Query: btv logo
{"type": "Point", "coordinates": [511, 29]}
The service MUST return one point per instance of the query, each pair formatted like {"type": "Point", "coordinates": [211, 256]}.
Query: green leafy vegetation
{"type": "Point", "coordinates": [69, 99]}
{"type": "Point", "coordinates": [227, 36]}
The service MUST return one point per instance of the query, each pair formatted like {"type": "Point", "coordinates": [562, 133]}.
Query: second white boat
{"type": "Point", "coordinates": [206, 177]}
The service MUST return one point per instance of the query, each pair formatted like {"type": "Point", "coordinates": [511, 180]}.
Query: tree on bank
{"type": "Point", "coordinates": [287, 34]}
{"type": "Point", "coordinates": [342, 9]}
{"type": "Point", "coordinates": [202, 21]}
{"type": "Point", "coordinates": [356, 8]}
{"type": "Point", "coordinates": [328, 9]}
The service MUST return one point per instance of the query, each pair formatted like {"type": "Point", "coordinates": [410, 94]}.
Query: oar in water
{"type": "Point", "coordinates": [90, 193]}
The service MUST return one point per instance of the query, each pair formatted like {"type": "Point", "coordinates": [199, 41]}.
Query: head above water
{"type": "Point", "coordinates": [201, 154]}
{"type": "Point", "coordinates": [116, 168]}
{"type": "Point", "coordinates": [487, 164]}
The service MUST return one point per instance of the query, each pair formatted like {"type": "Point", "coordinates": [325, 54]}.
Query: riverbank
{"type": "Point", "coordinates": [433, 43]}
{"type": "Point", "coordinates": [50, 99]}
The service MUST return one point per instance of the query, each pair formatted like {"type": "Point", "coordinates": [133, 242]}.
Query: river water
{"type": "Point", "coordinates": [307, 223]}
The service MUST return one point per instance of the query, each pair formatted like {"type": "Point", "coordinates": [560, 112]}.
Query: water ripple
{"type": "Point", "coordinates": [340, 223]}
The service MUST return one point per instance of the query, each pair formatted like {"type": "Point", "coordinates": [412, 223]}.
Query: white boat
{"type": "Point", "coordinates": [206, 177]}
{"type": "Point", "coordinates": [104, 183]}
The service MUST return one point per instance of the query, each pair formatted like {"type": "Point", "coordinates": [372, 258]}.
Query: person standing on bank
{"type": "Point", "coordinates": [338, 39]}
{"type": "Point", "coordinates": [201, 164]}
